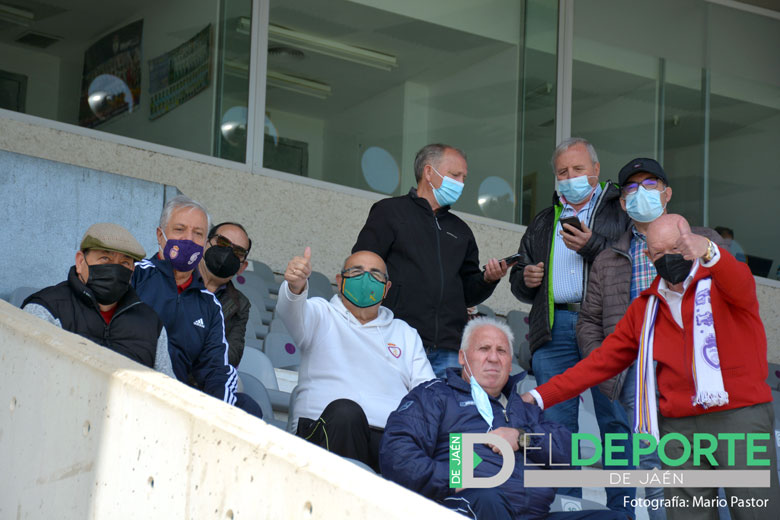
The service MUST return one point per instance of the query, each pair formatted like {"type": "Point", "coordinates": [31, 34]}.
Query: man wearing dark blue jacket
{"type": "Point", "coordinates": [169, 283]}
{"type": "Point", "coordinates": [478, 398]}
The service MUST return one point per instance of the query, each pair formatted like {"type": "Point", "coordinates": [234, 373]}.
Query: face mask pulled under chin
{"type": "Point", "coordinates": [108, 282]}
{"type": "Point", "coordinates": [480, 397]}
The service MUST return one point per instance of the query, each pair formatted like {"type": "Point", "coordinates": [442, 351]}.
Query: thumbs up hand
{"type": "Point", "coordinates": [298, 271]}
{"type": "Point", "coordinates": [690, 245]}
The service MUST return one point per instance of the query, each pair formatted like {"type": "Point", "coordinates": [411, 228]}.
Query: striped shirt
{"type": "Point", "coordinates": [642, 269]}
{"type": "Point", "coordinates": [567, 264]}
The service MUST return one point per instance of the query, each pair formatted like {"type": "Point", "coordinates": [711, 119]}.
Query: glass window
{"type": "Point", "coordinates": [173, 73]}
{"type": "Point", "coordinates": [355, 88]}
{"type": "Point", "coordinates": [703, 99]}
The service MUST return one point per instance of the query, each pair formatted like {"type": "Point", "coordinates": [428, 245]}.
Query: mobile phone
{"type": "Point", "coordinates": [572, 221]}
{"type": "Point", "coordinates": [510, 260]}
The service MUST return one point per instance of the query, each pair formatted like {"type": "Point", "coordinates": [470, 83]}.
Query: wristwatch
{"type": "Point", "coordinates": [710, 252]}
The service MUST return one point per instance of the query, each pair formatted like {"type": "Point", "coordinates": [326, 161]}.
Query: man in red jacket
{"type": "Point", "coordinates": [711, 363]}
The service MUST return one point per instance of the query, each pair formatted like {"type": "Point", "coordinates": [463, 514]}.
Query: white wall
{"type": "Point", "coordinates": [87, 433]}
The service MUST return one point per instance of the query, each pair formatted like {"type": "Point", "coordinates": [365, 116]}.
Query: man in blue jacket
{"type": "Point", "coordinates": [169, 283]}
{"type": "Point", "coordinates": [478, 398]}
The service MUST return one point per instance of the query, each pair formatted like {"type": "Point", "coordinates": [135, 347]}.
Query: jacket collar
{"type": "Point", "coordinates": [167, 269]}
{"type": "Point", "coordinates": [423, 203]}
{"type": "Point", "coordinates": [609, 191]}
{"type": "Point", "coordinates": [454, 378]}
{"type": "Point", "coordinates": [85, 294]}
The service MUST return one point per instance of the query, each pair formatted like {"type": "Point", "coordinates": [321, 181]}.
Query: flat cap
{"type": "Point", "coordinates": [112, 237]}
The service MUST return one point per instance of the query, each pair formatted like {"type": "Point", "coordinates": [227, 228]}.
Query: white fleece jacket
{"type": "Point", "coordinates": [375, 364]}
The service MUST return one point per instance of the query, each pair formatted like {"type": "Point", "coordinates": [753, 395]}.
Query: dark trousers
{"type": "Point", "coordinates": [759, 418]}
{"type": "Point", "coordinates": [343, 429]}
{"type": "Point", "coordinates": [249, 405]}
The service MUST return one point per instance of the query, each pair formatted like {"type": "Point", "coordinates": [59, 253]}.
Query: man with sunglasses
{"type": "Point", "coordinates": [357, 360]}
{"type": "Point", "coordinates": [619, 274]}
{"type": "Point", "coordinates": [225, 256]}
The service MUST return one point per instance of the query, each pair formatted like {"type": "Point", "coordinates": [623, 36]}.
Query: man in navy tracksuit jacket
{"type": "Point", "coordinates": [415, 446]}
{"type": "Point", "coordinates": [196, 333]}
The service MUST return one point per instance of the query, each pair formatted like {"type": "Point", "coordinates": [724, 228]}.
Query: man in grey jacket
{"type": "Point", "coordinates": [619, 274]}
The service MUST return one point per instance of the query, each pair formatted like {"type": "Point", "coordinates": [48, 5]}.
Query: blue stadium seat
{"type": "Point", "coordinates": [282, 351]}
{"type": "Point", "coordinates": [319, 285]}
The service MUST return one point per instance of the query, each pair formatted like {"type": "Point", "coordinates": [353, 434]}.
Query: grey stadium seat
{"type": "Point", "coordinates": [267, 274]}
{"type": "Point", "coordinates": [255, 389]}
{"type": "Point", "coordinates": [319, 285]}
{"type": "Point", "coordinates": [282, 350]}
{"type": "Point", "coordinates": [20, 294]}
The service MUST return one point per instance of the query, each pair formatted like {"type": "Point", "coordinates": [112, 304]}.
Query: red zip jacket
{"type": "Point", "coordinates": [738, 328]}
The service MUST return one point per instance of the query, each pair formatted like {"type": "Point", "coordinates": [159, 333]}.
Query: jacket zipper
{"type": "Point", "coordinates": [441, 282]}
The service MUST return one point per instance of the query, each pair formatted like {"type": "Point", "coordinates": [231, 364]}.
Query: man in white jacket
{"type": "Point", "coordinates": [357, 362]}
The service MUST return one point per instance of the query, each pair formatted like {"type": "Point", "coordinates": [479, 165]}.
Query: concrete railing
{"type": "Point", "coordinates": [87, 433]}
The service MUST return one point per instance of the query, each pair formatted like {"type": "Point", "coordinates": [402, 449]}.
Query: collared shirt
{"type": "Point", "coordinates": [567, 264]}
{"type": "Point", "coordinates": [642, 269]}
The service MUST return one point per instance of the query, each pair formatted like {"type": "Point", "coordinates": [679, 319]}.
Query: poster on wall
{"type": "Point", "coordinates": [180, 74]}
{"type": "Point", "coordinates": [111, 81]}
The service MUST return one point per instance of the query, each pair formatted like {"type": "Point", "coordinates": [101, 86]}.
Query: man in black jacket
{"type": "Point", "coordinates": [431, 254]}
{"type": "Point", "coordinates": [225, 256]}
{"type": "Point", "coordinates": [553, 274]}
{"type": "Point", "coordinates": [97, 302]}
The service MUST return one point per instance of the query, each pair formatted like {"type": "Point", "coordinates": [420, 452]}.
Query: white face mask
{"type": "Point", "coordinates": [480, 397]}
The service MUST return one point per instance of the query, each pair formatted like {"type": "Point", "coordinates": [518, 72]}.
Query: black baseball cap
{"type": "Point", "coordinates": [639, 165]}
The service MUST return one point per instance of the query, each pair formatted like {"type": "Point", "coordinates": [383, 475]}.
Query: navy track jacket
{"type": "Point", "coordinates": [415, 446]}
{"type": "Point", "coordinates": [196, 328]}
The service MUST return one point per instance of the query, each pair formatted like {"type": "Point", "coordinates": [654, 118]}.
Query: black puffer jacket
{"type": "Point", "coordinates": [133, 330]}
{"type": "Point", "coordinates": [433, 263]}
{"type": "Point", "coordinates": [607, 223]}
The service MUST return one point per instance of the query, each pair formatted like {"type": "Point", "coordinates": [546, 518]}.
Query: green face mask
{"type": "Point", "coordinates": [363, 290]}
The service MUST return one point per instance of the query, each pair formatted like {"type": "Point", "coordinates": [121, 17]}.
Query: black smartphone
{"type": "Point", "coordinates": [510, 260]}
{"type": "Point", "coordinates": [572, 221]}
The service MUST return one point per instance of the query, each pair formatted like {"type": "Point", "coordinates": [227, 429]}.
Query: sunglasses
{"type": "Point", "coordinates": [239, 251]}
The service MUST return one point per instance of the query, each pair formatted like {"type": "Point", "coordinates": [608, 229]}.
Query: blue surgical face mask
{"type": "Point", "coordinates": [576, 189]}
{"type": "Point", "coordinates": [644, 205]}
{"type": "Point", "coordinates": [481, 398]}
{"type": "Point", "coordinates": [449, 192]}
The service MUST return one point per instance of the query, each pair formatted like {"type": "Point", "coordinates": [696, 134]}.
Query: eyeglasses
{"type": "Point", "coordinates": [378, 275]}
{"type": "Point", "coordinates": [648, 184]}
{"type": "Point", "coordinates": [239, 251]}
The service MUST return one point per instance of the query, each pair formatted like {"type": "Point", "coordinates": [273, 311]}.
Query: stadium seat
{"type": "Point", "coordinates": [360, 464]}
{"type": "Point", "coordinates": [282, 351]}
{"type": "Point", "coordinates": [292, 426]}
{"type": "Point", "coordinates": [259, 320]}
{"type": "Point", "coordinates": [256, 289]}
{"type": "Point", "coordinates": [267, 274]}
{"type": "Point", "coordinates": [257, 364]}
{"type": "Point", "coordinates": [277, 325]}
{"type": "Point", "coordinates": [20, 294]}
{"type": "Point", "coordinates": [255, 389]}
{"type": "Point", "coordinates": [567, 503]}
{"type": "Point", "coordinates": [487, 311]}
{"type": "Point", "coordinates": [518, 322]}
{"type": "Point", "coordinates": [319, 285]}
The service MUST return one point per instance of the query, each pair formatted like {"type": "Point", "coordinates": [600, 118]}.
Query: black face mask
{"type": "Point", "coordinates": [108, 282]}
{"type": "Point", "coordinates": [222, 261]}
{"type": "Point", "coordinates": [673, 268]}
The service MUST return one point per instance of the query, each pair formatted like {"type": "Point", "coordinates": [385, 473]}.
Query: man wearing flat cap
{"type": "Point", "coordinates": [97, 302]}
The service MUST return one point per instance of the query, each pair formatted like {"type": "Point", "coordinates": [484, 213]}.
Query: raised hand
{"type": "Point", "coordinates": [690, 245]}
{"type": "Point", "coordinates": [574, 238]}
{"type": "Point", "coordinates": [298, 271]}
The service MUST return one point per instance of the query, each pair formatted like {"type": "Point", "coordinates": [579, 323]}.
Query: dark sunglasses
{"type": "Point", "coordinates": [239, 251]}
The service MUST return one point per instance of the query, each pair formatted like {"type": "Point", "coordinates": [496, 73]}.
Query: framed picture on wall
{"type": "Point", "coordinates": [13, 91]}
